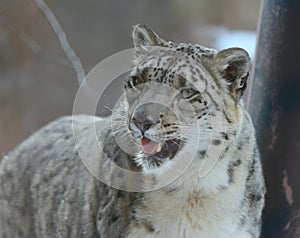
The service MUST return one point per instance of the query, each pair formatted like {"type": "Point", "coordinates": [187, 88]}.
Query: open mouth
{"type": "Point", "coordinates": [166, 149]}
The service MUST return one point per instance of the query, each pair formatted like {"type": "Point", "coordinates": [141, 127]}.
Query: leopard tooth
{"type": "Point", "coordinates": [158, 149]}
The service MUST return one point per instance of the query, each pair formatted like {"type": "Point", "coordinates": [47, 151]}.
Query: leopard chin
{"type": "Point", "coordinates": [155, 154]}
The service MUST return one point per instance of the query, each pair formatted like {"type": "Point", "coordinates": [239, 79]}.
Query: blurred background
{"type": "Point", "coordinates": [38, 82]}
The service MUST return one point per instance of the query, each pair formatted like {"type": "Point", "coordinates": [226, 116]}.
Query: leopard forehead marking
{"type": "Point", "coordinates": [174, 66]}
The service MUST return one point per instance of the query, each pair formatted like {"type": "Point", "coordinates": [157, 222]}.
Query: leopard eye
{"type": "Point", "coordinates": [136, 80]}
{"type": "Point", "coordinates": [189, 92]}
{"type": "Point", "coordinates": [133, 81]}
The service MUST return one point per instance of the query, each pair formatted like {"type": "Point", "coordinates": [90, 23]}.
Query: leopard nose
{"type": "Point", "coordinates": [142, 124]}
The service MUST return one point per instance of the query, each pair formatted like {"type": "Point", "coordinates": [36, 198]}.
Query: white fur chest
{"type": "Point", "coordinates": [180, 215]}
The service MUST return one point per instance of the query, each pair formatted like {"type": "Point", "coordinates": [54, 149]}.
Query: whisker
{"type": "Point", "coordinates": [122, 105]}
{"type": "Point", "coordinates": [119, 122]}
{"type": "Point", "coordinates": [176, 143]}
{"type": "Point", "coordinates": [201, 130]}
{"type": "Point", "coordinates": [120, 130]}
{"type": "Point", "coordinates": [115, 111]}
{"type": "Point", "coordinates": [125, 134]}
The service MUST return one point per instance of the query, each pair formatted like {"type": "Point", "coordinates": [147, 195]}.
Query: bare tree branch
{"type": "Point", "coordinates": [74, 59]}
{"type": "Point", "coordinates": [32, 44]}
{"type": "Point", "coordinates": [37, 49]}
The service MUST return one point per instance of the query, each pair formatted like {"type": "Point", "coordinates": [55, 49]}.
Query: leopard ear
{"type": "Point", "coordinates": [144, 36]}
{"type": "Point", "coordinates": [234, 66]}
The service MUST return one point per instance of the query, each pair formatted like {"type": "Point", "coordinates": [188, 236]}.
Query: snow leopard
{"type": "Point", "coordinates": [182, 127]}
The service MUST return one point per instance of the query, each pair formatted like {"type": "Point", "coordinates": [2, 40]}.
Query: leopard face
{"type": "Point", "coordinates": [177, 95]}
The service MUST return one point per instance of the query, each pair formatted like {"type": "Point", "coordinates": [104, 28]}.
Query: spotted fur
{"type": "Point", "coordinates": [186, 98]}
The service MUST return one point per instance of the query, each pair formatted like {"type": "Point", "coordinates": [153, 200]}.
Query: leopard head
{"type": "Point", "coordinates": [179, 95]}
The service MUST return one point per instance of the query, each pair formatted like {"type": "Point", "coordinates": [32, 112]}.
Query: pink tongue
{"type": "Point", "coordinates": [149, 146]}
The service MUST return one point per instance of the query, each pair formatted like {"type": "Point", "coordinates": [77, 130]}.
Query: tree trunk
{"type": "Point", "coordinates": [275, 108]}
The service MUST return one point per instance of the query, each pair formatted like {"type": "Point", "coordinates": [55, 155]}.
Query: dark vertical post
{"type": "Point", "coordinates": [275, 108]}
